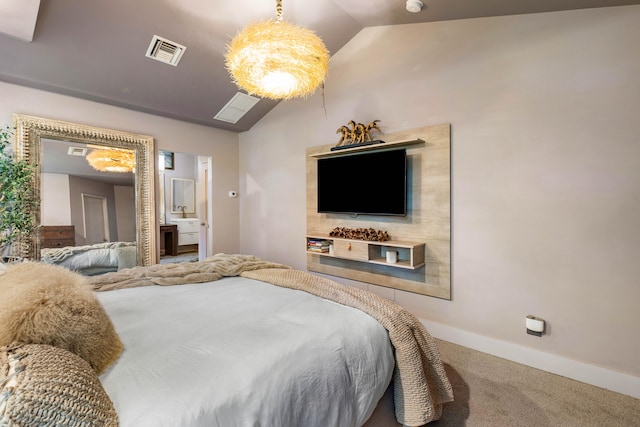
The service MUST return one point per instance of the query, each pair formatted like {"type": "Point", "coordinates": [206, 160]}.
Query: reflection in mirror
{"type": "Point", "coordinates": [83, 210]}
{"type": "Point", "coordinates": [161, 197]}
{"type": "Point", "coordinates": [183, 196]}
{"type": "Point", "coordinates": [87, 211]}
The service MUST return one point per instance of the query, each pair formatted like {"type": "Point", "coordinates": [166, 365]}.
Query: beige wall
{"type": "Point", "coordinates": [125, 212]}
{"type": "Point", "coordinates": [172, 135]}
{"type": "Point", "coordinates": [545, 172]}
{"type": "Point", "coordinates": [55, 206]}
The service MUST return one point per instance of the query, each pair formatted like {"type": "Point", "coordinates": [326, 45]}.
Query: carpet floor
{"type": "Point", "coordinates": [185, 257]}
{"type": "Point", "coordinates": [494, 392]}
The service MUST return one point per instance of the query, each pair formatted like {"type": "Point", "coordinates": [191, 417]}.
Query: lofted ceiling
{"type": "Point", "coordinates": [96, 49]}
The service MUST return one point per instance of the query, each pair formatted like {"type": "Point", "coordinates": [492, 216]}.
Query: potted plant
{"type": "Point", "coordinates": [17, 202]}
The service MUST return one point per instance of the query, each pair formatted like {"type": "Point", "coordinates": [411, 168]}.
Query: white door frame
{"type": "Point", "coordinates": [204, 197]}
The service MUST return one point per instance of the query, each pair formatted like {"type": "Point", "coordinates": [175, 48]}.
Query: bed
{"type": "Point", "coordinates": [238, 341]}
{"type": "Point", "coordinates": [93, 259]}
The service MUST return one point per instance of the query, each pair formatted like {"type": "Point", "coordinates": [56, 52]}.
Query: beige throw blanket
{"type": "Point", "coordinates": [420, 383]}
{"type": "Point", "coordinates": [209, 270]}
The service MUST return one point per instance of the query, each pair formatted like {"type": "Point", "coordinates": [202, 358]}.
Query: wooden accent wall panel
{"type": "Point", "coordinates": [428, 217]}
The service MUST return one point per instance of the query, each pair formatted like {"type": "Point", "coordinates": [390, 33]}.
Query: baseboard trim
{"type": "Point", "coordinates": [579, 371]}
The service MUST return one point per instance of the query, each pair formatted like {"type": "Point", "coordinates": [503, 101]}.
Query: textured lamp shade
{"type": "Point", "coordinates": [112, 160]}
{"type": "Point", "coordinates": [277, 60]}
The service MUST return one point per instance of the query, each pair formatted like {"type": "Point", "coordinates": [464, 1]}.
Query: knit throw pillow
{"type": "Point", "coordinates": [41, 385]}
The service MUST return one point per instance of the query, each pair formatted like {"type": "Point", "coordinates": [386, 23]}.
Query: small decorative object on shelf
{"type": "Point", "coordinates": [356, 134]}
{"type": "Point", "coordinates": [369, 234]}
{"type": "Point", "coordinates": [318, 245]}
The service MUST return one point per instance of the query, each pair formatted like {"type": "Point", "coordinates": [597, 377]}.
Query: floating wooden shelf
{"type": "Point", "coordinates": [373, 147]}
{"type": "Point", "coordinates": [411, 255]}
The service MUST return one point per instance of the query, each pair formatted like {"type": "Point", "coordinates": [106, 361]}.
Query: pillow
{"type": "Point", "coordinates": [44, 385]}
{"type": "Point", "coordinates": [48, 304]}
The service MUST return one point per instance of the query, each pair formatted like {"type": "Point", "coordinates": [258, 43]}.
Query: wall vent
{"type": "Point", "coordinates": [236, 108]}
{"type": "Point", "coordinates": [164, 50]}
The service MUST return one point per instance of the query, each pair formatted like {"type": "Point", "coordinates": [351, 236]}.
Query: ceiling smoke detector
{"type": "Point", "coordinates": [414, 6]}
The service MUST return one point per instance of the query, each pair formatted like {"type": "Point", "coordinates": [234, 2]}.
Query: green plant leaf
{"type": "Point", "coordinates": [17, 200]}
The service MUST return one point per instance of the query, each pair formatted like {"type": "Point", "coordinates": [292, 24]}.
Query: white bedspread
{"type": "Point", "coordinates": [117, 255]}
{"type": "Point", "coordinates": [239, 352]}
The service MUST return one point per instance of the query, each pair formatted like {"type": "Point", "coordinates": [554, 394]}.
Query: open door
{"type": "Point", "coordinates": [203, 202]}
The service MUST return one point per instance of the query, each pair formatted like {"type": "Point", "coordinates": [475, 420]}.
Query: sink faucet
{"type": "Point", "coordinates": [182, 208]}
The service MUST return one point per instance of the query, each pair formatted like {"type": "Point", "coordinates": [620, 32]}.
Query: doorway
{"type": "Point", "coordinates": [199, 169]}
{"type": "Point", "coordinates": [95, 219]}
{"type": "Point", "coordinates": [204, 208]}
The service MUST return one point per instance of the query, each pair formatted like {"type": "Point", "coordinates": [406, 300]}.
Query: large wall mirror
{"type": "Point", "coordinates": [114, 209]}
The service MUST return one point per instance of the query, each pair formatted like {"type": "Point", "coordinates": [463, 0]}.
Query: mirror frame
{"type": "Point", "coordinates": [29, 133]}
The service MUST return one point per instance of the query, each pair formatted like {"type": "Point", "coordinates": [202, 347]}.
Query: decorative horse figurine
{"type": "Point", "coordinates": [356, 133]}
{"type": "Point", "coordinates": [352, 128]}
{"type": "Point", "coordinates": [345, 135]}
{"type": "Point", "coordinates": [371, 126]}
{"type": "Point", "coordinates": [361, 133]}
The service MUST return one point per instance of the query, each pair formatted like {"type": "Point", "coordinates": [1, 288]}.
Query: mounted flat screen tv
{"type": "Point", "coordinates": [368, 183]}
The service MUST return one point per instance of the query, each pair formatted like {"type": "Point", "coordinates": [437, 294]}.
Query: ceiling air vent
{"type": "Point", "coordinates": [164, 50]}
{"type": "Point", "coordinates": [237, 107]}
{"type": "Point", "coordinates": [77, 151]}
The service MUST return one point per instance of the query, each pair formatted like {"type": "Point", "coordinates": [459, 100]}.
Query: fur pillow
{"type": "Point", "coordinates": [47, 304]}
{"type": "Point", "coordinates": [44, 385]}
